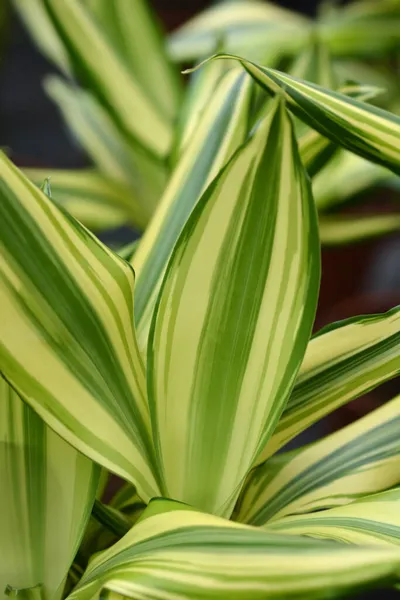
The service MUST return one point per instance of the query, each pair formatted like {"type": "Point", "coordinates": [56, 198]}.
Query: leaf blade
{"type": "Point", "coordinates": [360, 459]}
{"type": "Point", "coordinates": [177, 551]}
{"type": "Point", "coordinates": [344, 361]}
{"type": "Point", "coordinates": [75, 358]}
{"type": "Point", "coordinates": [229, 268]}
{"type": "Point", "coordinates": [48, 492]}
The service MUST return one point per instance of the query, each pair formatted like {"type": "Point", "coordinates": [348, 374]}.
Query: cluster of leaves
{"type": "Point", "coordinates": [187, 374]}
{"type": "Point", "coordinates": [123, 100]}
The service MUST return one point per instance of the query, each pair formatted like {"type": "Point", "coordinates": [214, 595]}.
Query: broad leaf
{"type": "Point", "coordinates": [366, 130]}
{"type": "Point", "coordinates": [48, 489]}
{"type": "Point", "coordinates": [233, 319]}
{"type": "Point", "coordinates": [344, 361]}
{"type": "Point", "coordinates": [66, 332]}
{"type": "Point", "coordinates": [360, 459]}
{"type": "Point", "coordinates": [222, 129]}
{"type": "Point", "coordinates": [176, 552]}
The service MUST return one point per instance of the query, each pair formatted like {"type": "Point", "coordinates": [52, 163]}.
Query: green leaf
{"type": "Point", "coordinates": [335, 230]}
{"type": "Point", "coordinates": [98, 64]}
{"type": "Point", "coordinates": [360, 459]}
{"type": "Point", "coordinates": [222, 129]}
{"type": "Point", "coordinates": [112, 152]}
{"type": "Point", "coordinates": [373, 520]}
{"type": "Point", "coordinates": [176, 552]}
{"type": "Point", "coordinates": [253, 28]}
{"type": "Point", "coordinates": [233, 319]}
{"type": "Point", "coordinates": [132, 32]}
{"type": "Point", "coordinates": [366, 130]}
{"type": "Point", "coordinates": [96, 201]}
{"type": "Point", "coordinates": [67, 339]}
{"type": "Point", "coordinates": [48, 489]}
{"type": "Point", "coordinates": [346, 360]}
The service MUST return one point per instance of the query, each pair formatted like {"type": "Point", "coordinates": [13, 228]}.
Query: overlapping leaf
{"type": "Point", "coordinates": [175, 551]}
{"type": "Point", "coordinates": [366, 130]}
{"type": "Point", "coordinates": [66, 336]}
{"type": "Point", "coordinates": [222, 129]}
{"type": "Point", "coordinates": [373, 520]}
{"type": "Point", "coordinates": [48, 489]}
{"type": "Point", "coordinates": [233, 319]}
{"type": "Point", "coordinates": [343, 362]}
{"type": "Point", "coordinates": [358, 460]}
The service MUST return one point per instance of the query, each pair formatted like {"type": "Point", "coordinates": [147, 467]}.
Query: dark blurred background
{"type": "Point", "coordinates": [358, 279]}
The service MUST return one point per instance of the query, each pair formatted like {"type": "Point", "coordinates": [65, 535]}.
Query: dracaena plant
{"type": "Point", "coordinates": [136, 122]}
{"type": "Point", "coordinates": [191, 407]}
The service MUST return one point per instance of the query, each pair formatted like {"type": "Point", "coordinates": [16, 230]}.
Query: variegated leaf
{"type": "Point", "coordinates": [112, 153]}
{"type": "Point", "coordinates": [176, 552]}
{"type": "Point", "coordinates": [48, 489]}
{"type": "Point", "coordinates": [366, 130]}
{"type": "Point", "coordinates": [343, 362]}
{"type": "Point", "coordinates": [233, 319]}
{"type": "Point", "coordinates": [360, 459]}
{"type": "Point", "coordinates": [370, 521]}
{"type": "Point", "coordinates": [222, 129]}
{"type": "Point", "coordinates": [67, 342]}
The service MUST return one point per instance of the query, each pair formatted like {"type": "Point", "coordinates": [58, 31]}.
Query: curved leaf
{"type": "Point", "coordinates": [346, 360]}
{"type": "Point", "coordinates": [366, 130]}
{"type": "Point", "coordinates": [67, 342]}
{"type": "Point", "coordinates": [233, 319]}
{"type": "Point", "coordinates": [373, 520]}
{"type": "Point", "coordinates": [176, 552]}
